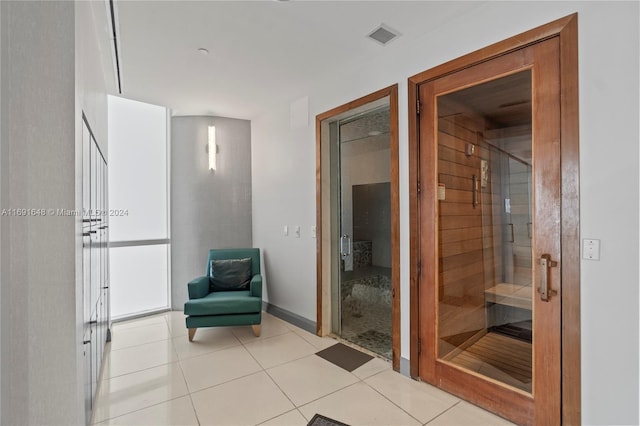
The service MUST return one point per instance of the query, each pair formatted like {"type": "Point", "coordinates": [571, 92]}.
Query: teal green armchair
{"type": "Point", "coordinates": [229, 294]}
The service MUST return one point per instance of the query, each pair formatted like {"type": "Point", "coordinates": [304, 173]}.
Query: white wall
{"type": "Point", "coordinates": [283, 177]}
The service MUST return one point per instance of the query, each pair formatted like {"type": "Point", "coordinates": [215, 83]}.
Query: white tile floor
{"type": "Point", "coordinates": [154, 376]}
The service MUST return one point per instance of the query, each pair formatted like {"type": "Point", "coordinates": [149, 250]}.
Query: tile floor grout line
{"type": "Point", "coordinates": [287, 362]}
{"type": "Point", "coordinates": [275, 417]}
{"type": "Point", "coordinates": [186, 385]}
{"type": "Point", "coordinates": [124, 326]}
{"type": "Point", "coordinates": [372, 375]}
{"type": "Point", "coordinates": [102, 380]}
{"type": "Point", "coordinates": [130, 326]}
{"type": "Point", "coordinates": [139, 344]}
{"type": "Point", "coordinates": [388, 399]}
{"type": "Point", "coordinates": [320, 397]}
{"type": "Point", "coordinates": [138, 409]}
{"type": "Point", "coordinates": [441, 414]}
{"type": "Point", "coordinates": [277, 365]}
{"type": "Point", "coordinates": [239, 377]}
{"type": "Point", "coordinates": [303, 416]}
{"type": "Point", "coordinates": [283, 392]}
{"type": "Point", "coordinates": [248, 351]}
{"type": "Point", "coordinates": [324, 396]}
{"type": "Point", "coordinates": [139, 370]}
{"type": "Point", "coordinates": [315, 353]}
{"type": "Point", "coordinates": [222, 383]}
{"type": "Point", "coordinates": [115, 333]}
{"type": "Point", "coordinates": [208, 353]}
{"type": "Point", "coordinates": [258, 339]}
{"type": "Point", "coordinates": [268, 375]}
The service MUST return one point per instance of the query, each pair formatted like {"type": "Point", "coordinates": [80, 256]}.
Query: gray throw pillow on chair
{"type": "Point", "coordinates": [230, 274]}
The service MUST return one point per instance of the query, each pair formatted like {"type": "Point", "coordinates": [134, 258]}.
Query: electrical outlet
{"type": "Point", "coordinates": [313, 232]}
{"type": "Point", "coordinates": [297, 231]}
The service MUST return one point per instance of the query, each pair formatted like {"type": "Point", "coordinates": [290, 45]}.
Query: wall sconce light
{"type": "Point", "coordinates": [212, 148]}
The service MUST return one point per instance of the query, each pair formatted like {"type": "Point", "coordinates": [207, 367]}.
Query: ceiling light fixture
{"type": "Point", "coordinates": [375, 133]}
{"type": "Point", "coordinates": [203, 51]}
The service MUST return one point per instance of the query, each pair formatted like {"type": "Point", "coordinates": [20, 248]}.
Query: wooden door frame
{"type": "Point", "coordinates": [567, 30]}
{"type": "Point", "coordinates": [392, 93]}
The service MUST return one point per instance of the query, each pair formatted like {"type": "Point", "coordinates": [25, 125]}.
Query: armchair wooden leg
{"type": "Point", "coordinates": [192, 332]}
{"type": "Point", "coordinates": [256, 329]}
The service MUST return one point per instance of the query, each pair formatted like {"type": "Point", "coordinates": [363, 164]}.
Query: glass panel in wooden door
{"type": "Point", "coordinates": [485, 229]}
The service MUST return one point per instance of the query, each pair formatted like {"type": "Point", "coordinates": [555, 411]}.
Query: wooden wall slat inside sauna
{"type": "Point", "coordinates": [469, 240]}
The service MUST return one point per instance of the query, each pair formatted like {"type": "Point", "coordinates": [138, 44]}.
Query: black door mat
{"type": "Point", "coordinates": [343, 356]}
{"type": "Point", "coordinates": [320, 420]}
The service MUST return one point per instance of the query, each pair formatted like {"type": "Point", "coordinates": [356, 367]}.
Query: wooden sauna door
{"type": "Point", "coordinates": [490, 227]}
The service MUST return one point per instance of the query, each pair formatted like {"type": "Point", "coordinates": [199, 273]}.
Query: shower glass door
{"type": "Point", "coordinates": [365, 230]}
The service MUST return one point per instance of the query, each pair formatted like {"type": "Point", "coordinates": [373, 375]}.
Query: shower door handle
{"type": "Point", "coordinates": [545, 291]}
{"type": "Point", "coordinates": [345, 245]}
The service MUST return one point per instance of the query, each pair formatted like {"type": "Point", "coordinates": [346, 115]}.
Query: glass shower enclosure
{"type": "Point", "coordinates": [362, 297]}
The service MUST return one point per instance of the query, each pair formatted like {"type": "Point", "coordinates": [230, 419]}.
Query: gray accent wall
{"type": "Point", "coordinates": [208, 209]}
{"type": "Point", "coordinates": [372, 219]}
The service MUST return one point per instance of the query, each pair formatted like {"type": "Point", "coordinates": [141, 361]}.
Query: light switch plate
{"type": "Point", "coordinates": [285, 231]}
{"type": "Point", "coordinates": [313, 231]}
{"type": "Point", "coordinates": [591, 249]}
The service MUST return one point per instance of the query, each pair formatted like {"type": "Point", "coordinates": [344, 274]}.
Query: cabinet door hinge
{"type": "Point", "coordinates": [419, 188]}
{"type": "Point", "coordinates": [419, 346]}
{"type": "Point", "coordinates": [418, 106]}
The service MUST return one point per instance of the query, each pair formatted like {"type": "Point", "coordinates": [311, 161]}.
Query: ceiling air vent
{"type": "Point", "coordinates": [383, 34]}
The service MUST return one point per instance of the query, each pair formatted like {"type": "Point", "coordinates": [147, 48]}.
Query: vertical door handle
{"type": "Point", "coordinates": [545, 283]}
{"type": "Point", "coordinates": [345, 245]}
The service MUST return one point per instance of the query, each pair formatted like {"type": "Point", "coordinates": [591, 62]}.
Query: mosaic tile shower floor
{"type": "Point", "coordinates": [366, 314]}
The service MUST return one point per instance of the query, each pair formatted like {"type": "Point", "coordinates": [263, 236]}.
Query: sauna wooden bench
{"type": "Point", "coordinates": [518, 296]}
